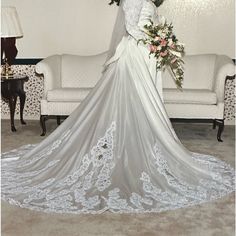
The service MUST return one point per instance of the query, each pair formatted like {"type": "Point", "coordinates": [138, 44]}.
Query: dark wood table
{"type": "Point", "coordinates": [11, 88]}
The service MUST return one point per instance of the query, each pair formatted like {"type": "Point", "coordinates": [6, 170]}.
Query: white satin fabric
{"type": "Point", "coordinates": [116, 152]}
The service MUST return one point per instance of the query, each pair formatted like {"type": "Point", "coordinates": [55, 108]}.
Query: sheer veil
{"type": "Point", "coordinates": [119, 31]}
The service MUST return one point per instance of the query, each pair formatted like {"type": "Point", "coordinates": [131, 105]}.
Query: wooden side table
{"type": "Point", "coordinates": [12, 87]}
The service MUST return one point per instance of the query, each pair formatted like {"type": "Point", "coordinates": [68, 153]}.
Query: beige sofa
{"type": "Point", "coordinates": [69, 78]}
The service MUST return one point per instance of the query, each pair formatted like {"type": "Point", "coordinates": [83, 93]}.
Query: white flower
{"type": "Point", "coordinates": [163, 35]}
{"type": "Point", "coordinates": [178, 54]}
{"type": "Point", "coordinates": [170, 41]}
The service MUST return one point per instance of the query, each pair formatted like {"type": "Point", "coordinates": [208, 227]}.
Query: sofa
{"type": "Point", "coordinates": [69, 78]}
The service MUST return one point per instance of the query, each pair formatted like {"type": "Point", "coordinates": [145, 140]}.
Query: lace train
{"type": "Point", "coordinates": [117, 151]}
{"type": "Point", "coordinates": [72, 194]}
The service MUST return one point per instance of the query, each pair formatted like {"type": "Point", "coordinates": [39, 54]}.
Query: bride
{"type": "Point", "coordinates": [117, 151]}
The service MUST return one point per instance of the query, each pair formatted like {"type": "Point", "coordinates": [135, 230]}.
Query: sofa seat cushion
{"type": "Point", "coordinates": [189, 96]}
{"type": "Point", "coordinates": [67, 94]}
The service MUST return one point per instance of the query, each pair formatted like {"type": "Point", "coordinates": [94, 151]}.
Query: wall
{"type": "Point", "coordinates": [63, 26]}
{"type": "Point", "coordinates": [85, 26]}
{"type": "Point", "coordinates": [205, 26]}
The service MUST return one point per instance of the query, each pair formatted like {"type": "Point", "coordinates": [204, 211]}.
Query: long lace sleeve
{"type": "Point", "coordinates": [132, 10]}
{"type": "Point", "coordinates": [137, 14]}
{"type": "Point", "coordinates": [148, 12]}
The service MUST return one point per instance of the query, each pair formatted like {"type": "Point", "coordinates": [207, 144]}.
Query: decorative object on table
{"type": "Point", "coordinates": [166, 48]}
{"type": "Point", "coordinates": [10, 30]}
{"type": "Point", "coordinates": [10, 89]}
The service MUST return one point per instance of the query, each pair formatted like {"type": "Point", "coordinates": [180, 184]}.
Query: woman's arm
{"type": "Point", "coordinates": [137, 14]}
{"type": "Point", "coordinates": [132, 10]}
{"type": "Point", "coordinates": [148, 12]}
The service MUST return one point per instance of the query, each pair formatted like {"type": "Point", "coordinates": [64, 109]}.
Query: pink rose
{"type": "Point", "coordinates": [152, 48]}
{"type": "Point", "coordinates": [163, 42]}
{"type": "Point", "coordinates": [163, 54]}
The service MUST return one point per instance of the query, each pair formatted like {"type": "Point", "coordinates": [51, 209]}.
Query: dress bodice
{"type": "Point", "coordinates": [137, 14]}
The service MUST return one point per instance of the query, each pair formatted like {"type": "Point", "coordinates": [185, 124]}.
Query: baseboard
{"type": "Point", "coordinates": [6, 117]}
{"type": "Point", "coordinates": [230, 122]}
{"type": "Point", "coordinates": [27, 61]}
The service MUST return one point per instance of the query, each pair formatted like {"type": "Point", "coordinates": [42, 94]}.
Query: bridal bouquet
{"type": "Point", "coordinates": [166, 48]}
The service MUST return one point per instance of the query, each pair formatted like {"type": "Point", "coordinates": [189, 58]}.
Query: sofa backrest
{"type": "Point", "coordinates": [81, 71]}
{"type": "Point", "coordinates": [85, 71]}
{"type": "Point", "coordinates": [199, 72]}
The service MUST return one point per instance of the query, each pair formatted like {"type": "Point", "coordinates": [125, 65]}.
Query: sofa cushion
{"type": "Point", "coordinates": [67, 94]}
{"type": "Point", "coordinates": [81, 71]}
{"type": "Point", "coordinates": [190, 96]}
{"type": "Point", "coordinates": [198, 73]}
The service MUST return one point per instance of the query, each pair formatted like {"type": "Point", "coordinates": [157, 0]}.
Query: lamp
{"type": "Point", "coordinates": [10, 30]}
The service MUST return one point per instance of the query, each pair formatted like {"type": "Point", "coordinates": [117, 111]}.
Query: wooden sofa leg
{"type": "Point", "coordinates": [214, 124]}
{"type": "Point", "coordinates": [221, 125]}
{"type": "Point", "coordinates": [58, 120]}
{"type": "Point", "coordinates": [43, 119]}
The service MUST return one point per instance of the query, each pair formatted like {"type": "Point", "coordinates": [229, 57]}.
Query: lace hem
{"type": "Point", "coordinates": [70, 194]}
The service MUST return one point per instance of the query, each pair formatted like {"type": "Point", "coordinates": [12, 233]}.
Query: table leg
{"type": "Point", "coordinates": [12, 105]}
{"type": "Point", "coordinates": [22, 104]}
{"type": "Point", "coordinates": [214, 124]}
{"type": "Point", "coordinates": [58, 120]}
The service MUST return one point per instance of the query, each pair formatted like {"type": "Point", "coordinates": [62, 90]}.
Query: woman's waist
{"type": "Point", "coordinates": [129, 44]}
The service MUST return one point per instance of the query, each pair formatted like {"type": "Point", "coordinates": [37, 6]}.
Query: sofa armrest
{"type": "Point", "coordinates": [50, 67]}
{"type": "Point", "coordinates": [224, 67]}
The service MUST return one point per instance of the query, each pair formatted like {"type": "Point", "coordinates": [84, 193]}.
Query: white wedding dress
{"type": "Point", "coordinates": [118, 150]}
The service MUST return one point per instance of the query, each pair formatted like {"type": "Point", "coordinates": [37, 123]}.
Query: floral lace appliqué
{"type": "Point", "coordinates": [91, 187]}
